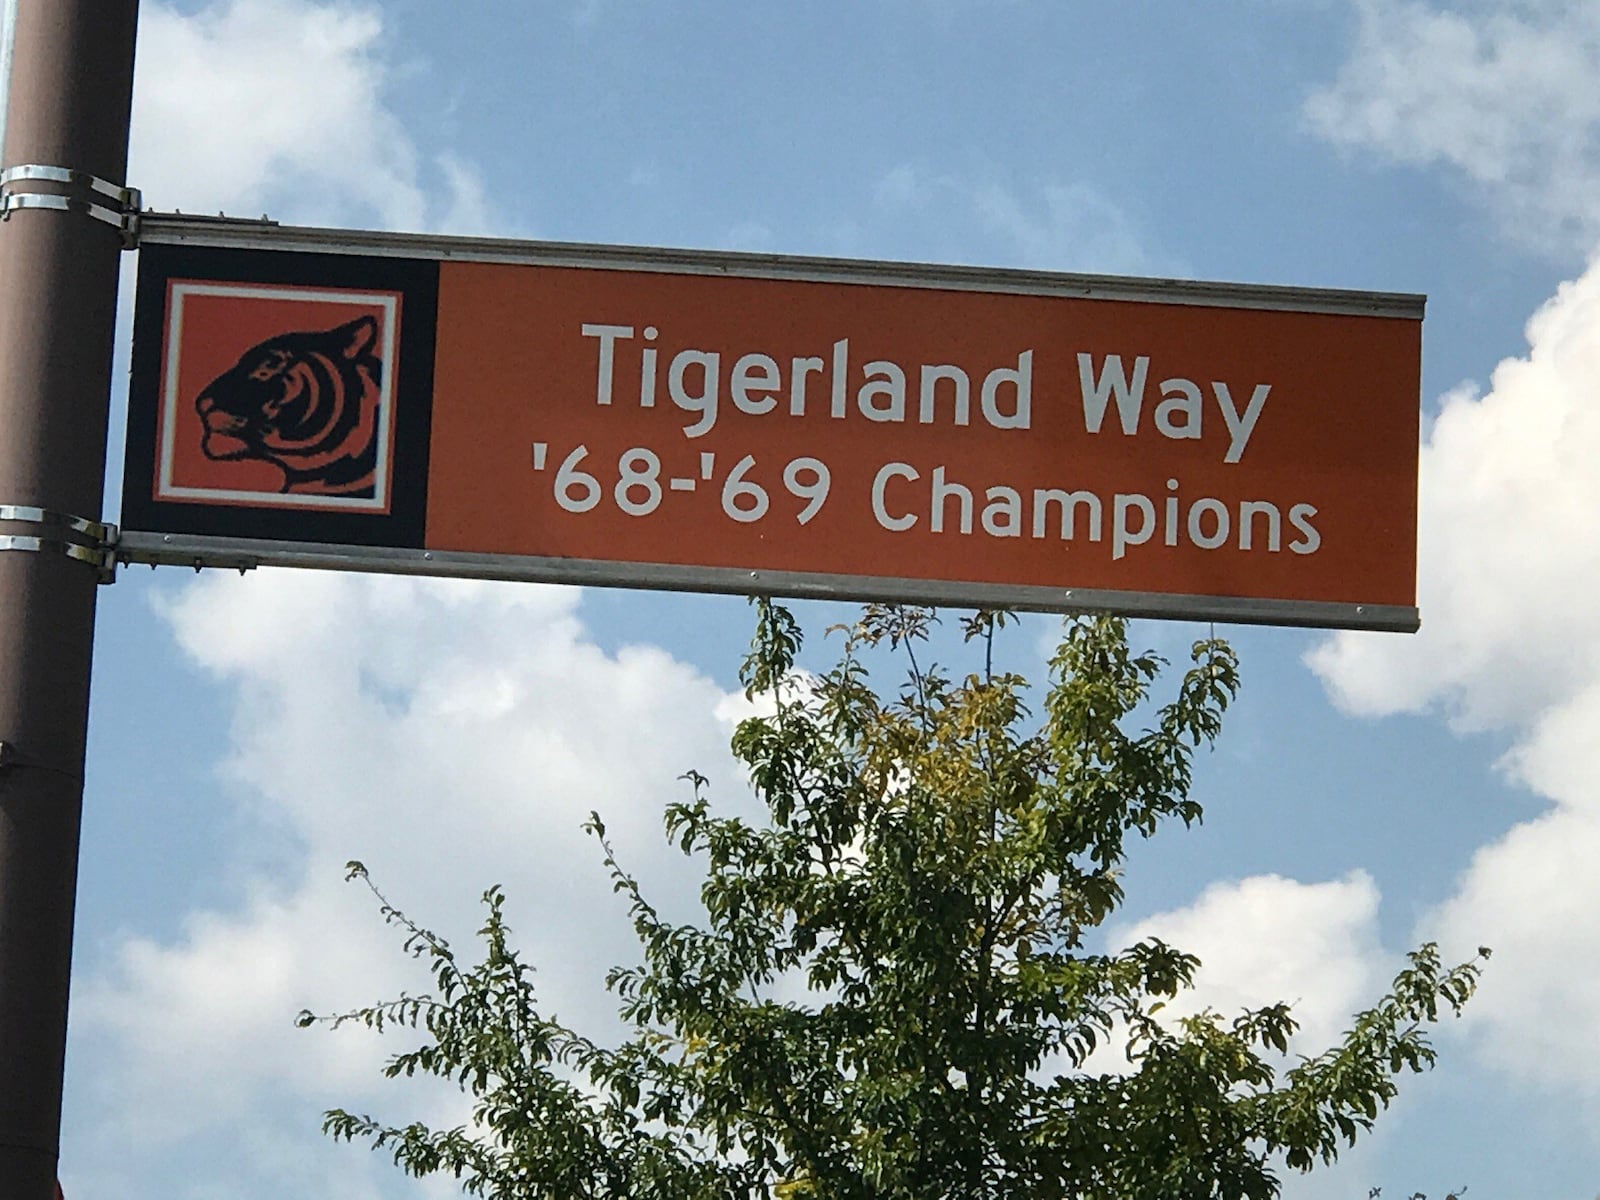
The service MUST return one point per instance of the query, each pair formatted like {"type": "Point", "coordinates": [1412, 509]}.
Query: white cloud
{"type": "Point", "coordinates": [1050, 227]}
{"type": "Point", "coordinates": [1509, 564]}
{"type": "Point", "coordinates": [1070, 227]}
{"type": "Point", "coordinates": [1501, 90]}
{"type": "Point", "coordinates": [282, 105]}
{"type": "Point", "coordinates": [1533, 896]}
{"type": "Point", "coordinates": [1510, 568]}
{"type": "Point", "coordinates": [451, 735]}
{"type": "Point", "coordinates": [1268, 939]}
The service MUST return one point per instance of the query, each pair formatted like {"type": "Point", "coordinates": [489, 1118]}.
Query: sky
{"type": "Point", "coordinates": [249, 734]}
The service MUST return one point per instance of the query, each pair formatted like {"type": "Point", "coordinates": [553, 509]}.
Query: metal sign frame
{"type": "Point", "coordinates": [171, 546]}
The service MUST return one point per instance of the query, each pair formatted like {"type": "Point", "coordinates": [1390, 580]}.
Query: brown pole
{"type": "Point", "coordinates": [68, 105]}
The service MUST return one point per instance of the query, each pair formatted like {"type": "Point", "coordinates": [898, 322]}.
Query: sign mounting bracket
{"type": "Point", "coordinates": [19, 189]}
{"type": "Point", "coordinates": [78, 538]}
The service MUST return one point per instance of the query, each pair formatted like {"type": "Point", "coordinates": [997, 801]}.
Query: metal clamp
{"type": "Point", "coordinates": [125, 216]}
{"type": "Point", "coordinates": [98, 552]}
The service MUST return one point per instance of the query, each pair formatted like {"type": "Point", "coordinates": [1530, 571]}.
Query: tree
{"type": "Point", "coordinates": [930, 874]}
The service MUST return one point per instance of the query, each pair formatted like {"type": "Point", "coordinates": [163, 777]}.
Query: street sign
{"type": "Point", "coordinates": [758, 423]}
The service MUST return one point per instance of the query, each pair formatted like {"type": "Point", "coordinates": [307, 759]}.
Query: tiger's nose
{"type": "Point", "coordinates": [217, 420]}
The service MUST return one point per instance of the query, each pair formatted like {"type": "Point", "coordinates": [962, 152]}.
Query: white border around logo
{"type": "Point", "coordinates": [170, 400]}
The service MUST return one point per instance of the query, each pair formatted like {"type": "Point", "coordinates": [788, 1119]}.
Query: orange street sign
{"type": "Point", "coordinates": [751, 423]}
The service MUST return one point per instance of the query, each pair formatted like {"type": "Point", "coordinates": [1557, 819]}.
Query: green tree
{"type": "Point", "coordinates": [932, 868]}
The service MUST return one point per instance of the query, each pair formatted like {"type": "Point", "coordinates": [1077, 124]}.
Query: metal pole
{"type": "Point", "coordinates": [68, 104]}
{"type": "Point", "coordinates": [8, 29]}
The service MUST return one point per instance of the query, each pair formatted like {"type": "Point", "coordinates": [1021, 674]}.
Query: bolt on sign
{"type": "Point", "coordinates": [755, 423]}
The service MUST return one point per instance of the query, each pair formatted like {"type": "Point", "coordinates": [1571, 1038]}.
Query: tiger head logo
{"type": "Point", "coordinates": [307, 403]}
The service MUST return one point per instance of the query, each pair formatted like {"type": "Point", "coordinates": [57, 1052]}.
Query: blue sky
{"type": "Point", "coordinates": [1371, 791]}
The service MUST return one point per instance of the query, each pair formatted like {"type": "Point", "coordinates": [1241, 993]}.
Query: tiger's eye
{"type": "Point", "coordinates": [269, 367]}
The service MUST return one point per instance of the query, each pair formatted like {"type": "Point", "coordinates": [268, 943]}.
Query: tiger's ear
{"type": "Point", "coordinates": [355, 338]}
